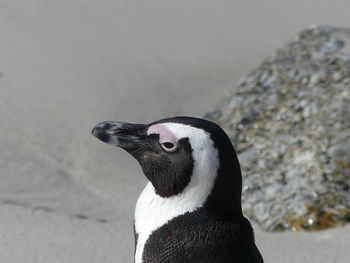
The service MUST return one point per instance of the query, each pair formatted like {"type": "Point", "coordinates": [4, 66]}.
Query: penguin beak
{"type": "Point", "coordinates": [125, 135]}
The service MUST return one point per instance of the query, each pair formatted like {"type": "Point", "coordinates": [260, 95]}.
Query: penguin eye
{"type": "Point", "coordinates": [169, 146]}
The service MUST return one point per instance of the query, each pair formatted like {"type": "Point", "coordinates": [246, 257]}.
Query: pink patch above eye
{"type": "Point", "coordinates": [165, 135]}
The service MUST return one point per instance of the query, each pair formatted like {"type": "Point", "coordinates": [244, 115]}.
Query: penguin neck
{"type": "Point", "coordinates": [217, 190]}
{"type": "Point", "coordinates": [152, 210]}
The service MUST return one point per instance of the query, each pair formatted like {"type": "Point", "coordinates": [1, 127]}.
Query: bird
{"type": "Point", "coordinates": [190, 210]}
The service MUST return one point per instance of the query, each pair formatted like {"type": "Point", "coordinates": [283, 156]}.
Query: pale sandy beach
{"type": "Point", "coordinates": [67, 65]}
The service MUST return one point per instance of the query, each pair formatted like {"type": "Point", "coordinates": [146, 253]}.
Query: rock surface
{"type": "Point", "coordinates": [289, 121]}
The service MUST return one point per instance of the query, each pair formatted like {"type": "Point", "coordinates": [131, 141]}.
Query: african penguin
{"type": "Point", "coordinates": [190, 211]}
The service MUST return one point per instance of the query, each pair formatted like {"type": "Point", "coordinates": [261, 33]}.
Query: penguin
{"type": "Point", "coordinates": [190, 210]}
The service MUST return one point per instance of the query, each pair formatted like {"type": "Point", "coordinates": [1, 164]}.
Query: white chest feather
{"type": "Point", "coordinates": [153, 211]}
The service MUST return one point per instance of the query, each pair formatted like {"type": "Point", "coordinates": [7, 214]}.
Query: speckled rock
{"type": "Point", "coordinates": [290, 123]}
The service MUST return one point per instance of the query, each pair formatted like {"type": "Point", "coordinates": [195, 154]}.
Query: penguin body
{"type": "Point", "coordinates": [190, 211]}
{"type": "Point", "coordinates": [201, 237]}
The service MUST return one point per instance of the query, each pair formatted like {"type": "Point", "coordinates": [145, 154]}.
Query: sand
{"type": "Point", "coordinates": [66, 65]}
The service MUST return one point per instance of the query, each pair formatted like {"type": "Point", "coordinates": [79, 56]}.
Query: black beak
{"type": "Point", "coordinates": [125, 135]}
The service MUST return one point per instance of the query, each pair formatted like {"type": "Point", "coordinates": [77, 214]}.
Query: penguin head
{"type": "Point", "coordinates": [182, 154]}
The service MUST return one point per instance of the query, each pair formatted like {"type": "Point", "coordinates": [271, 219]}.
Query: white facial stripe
{"type": "Point", "coordinates": [153, 211]}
